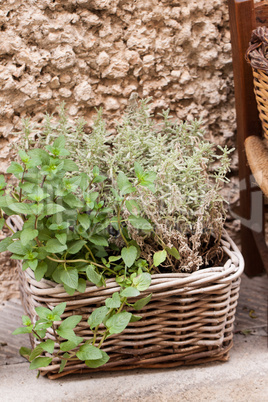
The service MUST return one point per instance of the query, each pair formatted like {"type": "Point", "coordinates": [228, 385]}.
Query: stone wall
{"type": "Point", "coordinates": [95, 53]}
{"type": "Point", "coordinates": [92, 53]}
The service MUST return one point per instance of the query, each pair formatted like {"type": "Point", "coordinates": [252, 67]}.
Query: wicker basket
{"type": "Point", "coordinates": [189, 319]}
{"type": "Point", "coordinates": [257, 56]}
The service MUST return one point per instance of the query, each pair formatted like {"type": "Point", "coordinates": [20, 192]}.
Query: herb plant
{"type": "Point", "coordinates": [186, 209]}
{"type": "Point", "coordinates": [70, 235]}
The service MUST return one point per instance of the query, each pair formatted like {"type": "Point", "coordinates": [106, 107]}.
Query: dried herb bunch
{"type": "Point", "coordinates": [186, 207]}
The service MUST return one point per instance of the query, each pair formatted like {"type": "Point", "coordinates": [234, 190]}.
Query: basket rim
{"type": "Point", "coordinates": [223, 275]}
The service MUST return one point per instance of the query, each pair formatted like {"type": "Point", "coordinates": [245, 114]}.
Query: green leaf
{"type": "Point", "coordinates": [82, 284]}
{"type": "Point", "coordinates": [138, 171]}
{"type": "Point", "coordinates": [124, 184]}
{"type": "Point", "coordinates": [16, 169]}
{"type": "Point", "coordinates": [25, 352]}
{"type": "Point", "coordinates": [5, 243]}
{"type": "Point", "coordinates": [142, 302]}
{"type": "Point", "coordinates": [51, 209]}
{"type": "Point", "coordinates": [99, 240]}
{"type": "Point", "coordinates": [2, 182]}
{"type": "Point", "coordinates": [142, 281]}
{"type": "Point", "coordinates": [62, 237]}
{"type": "Point", "coordinates": [40, 270]}
{"type": "Point", "coordinates": [23, 330]}
{"type": "Point", "coordinates": [48, 345]}
{"type": "Point", "coordinates": [21, 208]}
{"type": "Point", "coordinates": [43, 312]}
{"type": "Point", "coordinates": [132, 206]}
{"type": "Point", "coordinates": [159, 257]}
{"type": "Point", "coordinates": [89, 352]}
{"type": "Point", "coordinates": [63, 362]}
{"type": "Point", "coordinates": [76, 246]}
{"type": "Point", "coordinates": [97, 316]}
{"type": "Point", "coordinates": [66, 333]}
{"type": "Point", "coordinates": [59, 142]}
{"type": "Point", "coordinates": [129, 255]}
{"type": "Point", "coordinates": [139, 223]}
{"type": "Point", "coordinates": [118, 322]}
{"type": "Point", "coordinates": [40, 362]}
{"type": "Point", "coordinates": [36, 352]}
{"type": "Point", "coordinates": [54, 246]}
{"type": "Point", "coordinates": [99, 362]}
{"type": "Point", "coordinates": [2, 222]}
{"type": "Point", "coordinates": [135, 318]}
{"type": "Point", "coordinates": [59, 309]}
{"type": "Point", "coordinates": [84, 219]}
{"type": "Point", "coordinates": [26, 320]}
{"type": "Point", "coordinates": [93, 276]}
{"type": "Point", "coordinates": [70, 322]}
{"type": "Point", "coordinates": [114, 301]}
{"type": "Point", "coordinates": [130, 292]}
{"type": "Point", "coordinates": [70, 277]}
{"type": "Point", "coordinates": [69, 345]}
{"type": "Point", "coordinates": [17, 248]}
{"type": "Point", "coordinates": [27, 235]}
{"type": "Point", "coordinates": [174, 252]}
{"type": "Point", "coordinates": [70, 166]}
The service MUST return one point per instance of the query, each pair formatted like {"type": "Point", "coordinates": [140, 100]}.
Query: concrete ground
{"type": "Point", "coordinates": [244, 378]}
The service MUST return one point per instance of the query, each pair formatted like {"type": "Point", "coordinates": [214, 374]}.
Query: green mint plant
{"type": "Point", "coordinates": [103, 322]}
{"type": "Point", "coordinates": [71, 235]}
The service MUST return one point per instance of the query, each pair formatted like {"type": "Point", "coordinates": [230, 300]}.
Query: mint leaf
{"type": "Point", "coordinates": [174, 252]}
{"type": "Point", "coordinates": [23, 330]}
{"type": "Point", "coordinates": [142, 281]}
{"type": "Point", "coordinates": [97, 316]}
{"type": "Point", "coordinates": [84, 219]}
{"type": "Point", "coordinates": [70, 166]}
{"type": "Point", "coordinates": [5, 243]}
{"type": "Point", "coordinates": [93, 276]}
{"type": "Point", "coordinates": [70, 277]}
{"type": "Point", "coordinates": [27, 235]}
{"type": "Point", "coordinates": [124, 184]}
{"type": "Point", "coordinates": [40, 270]}
{"type": "Point", "coordinates": [21, 208]}
{"type": "Point", "coordinates": [17, 248]}
{"type": "Point", "coordinates": [54, 246]}
{"type": "Point", "coordinates": [142, 302]}
{"type": "Point", "coordinates": [59, 309]}
{"type": "Point", "coordinates": [99, 240]}
{"type": "Point", "coordinates": [40, 362]}
{"type": "Point", "coordinates": [51, 209]}
{"type": "Point", "coordinates": [89, 352]}
{"type": "Point", "coordinates": [99, 362]}
{"type": "Point", "coordinates": [70, 322]}
{"type": "Point", "coordinates": [130, 292]}
{"type": "Point", "coordinates": [26, 320]}
{"type": "Point", "coordinates": [62, 237]}
{"type": "Point", "coordinates": [159, 257]}
{"type": "Point", "coordinates": [118, 322]}
{"type": "Point", "coordinates": [129, 255]}
{"type": "Point", "coordinates": [76, 246]}
{"type": "Point", "coordinates": [139, 223]}
{"type": "Point", "coordinates": [114, 301]}
{"type": "Point", "coordinates": [48, 345]}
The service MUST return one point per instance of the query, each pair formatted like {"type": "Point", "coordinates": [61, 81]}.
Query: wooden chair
{"type": "Point", "coordinates": [245, 15]}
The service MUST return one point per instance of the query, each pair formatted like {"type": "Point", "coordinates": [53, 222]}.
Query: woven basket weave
{"type": "Point", "coordinates": [257, 56]}
{"type": "Point", "coordinates": [189, 319]}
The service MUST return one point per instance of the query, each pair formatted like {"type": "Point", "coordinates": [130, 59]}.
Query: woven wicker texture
{"type": "Point", "coordinates": [256, 55]}
{"type": "Point", "coordinates": [189, 319]}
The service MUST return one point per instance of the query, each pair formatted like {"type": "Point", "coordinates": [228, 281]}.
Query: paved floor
{"type": "Point", "coordinates": [244, 378]}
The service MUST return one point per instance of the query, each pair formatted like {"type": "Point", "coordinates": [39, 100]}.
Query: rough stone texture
{"type": "Point", "coordinates": [95, 53]}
